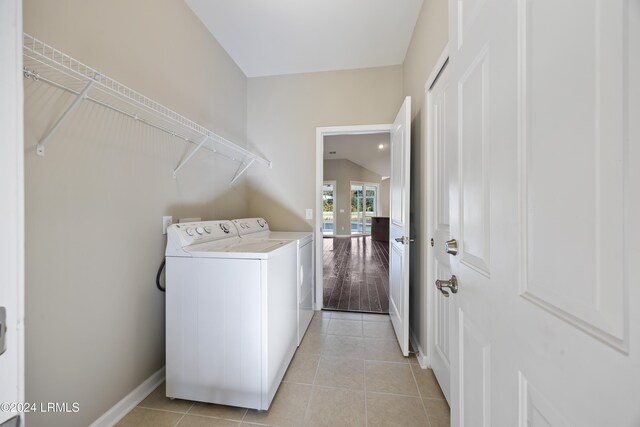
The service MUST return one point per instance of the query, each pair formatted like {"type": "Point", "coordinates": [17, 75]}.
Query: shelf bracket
{"type": "Point", "coordinates": [43, 142]}
{"type": "Point", "coordinates": [241, 169]}
{"type": "Point", "coordinates": [191, 154]}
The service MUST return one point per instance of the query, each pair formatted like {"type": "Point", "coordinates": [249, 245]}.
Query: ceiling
{"type": "Point", "coordinates": [361, 149]}
{"type": "Point", "coordinates": [272, 37]}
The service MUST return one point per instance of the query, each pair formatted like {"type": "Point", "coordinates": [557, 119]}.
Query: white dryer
{"type": "Point", "coordinates": [231, 324]}
{"type": "Point", "coordinates": [258, 228]}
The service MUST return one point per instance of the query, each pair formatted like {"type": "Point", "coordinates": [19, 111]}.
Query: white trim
{"type": "Point", "coordinates": [321, 132]}
{"type": "Point", "coordinates": [428, 205]}
{"type": "Point", "coordinates": [130, 401]}
{"type": "Point", "coordinates": [421, 356]}
{"type": "Point", "coordinates": [437, 68]}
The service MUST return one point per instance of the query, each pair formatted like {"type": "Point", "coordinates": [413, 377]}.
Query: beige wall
{"type": "Point", "coordinates": [344, 171]}
{"type": "Point", "coordinates": [283, 113]}
{"type": "Point", "coordinates": [94, 319]}
{"type": "Point", "coordinates": [385, 194]}
{"type": "Point", "coordinates": [429, 39]}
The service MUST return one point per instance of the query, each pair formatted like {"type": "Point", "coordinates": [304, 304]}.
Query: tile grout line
{"type": "Point", "coordinates": [420, 394]}
{"type": "Point", "coordinates": [184, 415]}
{"type": "Point", "coordinates": [313, 384]}
{"type": "Point", "coordinates": [366, 398]}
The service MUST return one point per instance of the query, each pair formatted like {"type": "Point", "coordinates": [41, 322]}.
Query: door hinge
{"type": "Point", "coordinates": [405, 240]}
{"type": "Point", "coordinates": [3, 330]}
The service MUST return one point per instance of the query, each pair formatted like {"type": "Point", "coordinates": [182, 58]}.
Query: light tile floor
{"type": "Point", "coordinates": [348, 371]}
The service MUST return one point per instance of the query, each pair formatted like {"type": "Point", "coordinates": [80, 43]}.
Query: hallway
{"type": "Point", "coordinates": [356, 274]}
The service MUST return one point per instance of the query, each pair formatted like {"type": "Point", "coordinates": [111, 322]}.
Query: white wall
{"type": "Point", "coordinates": [429, 39]}
{"type": "Point", "coordinates": [95, 321]}
{"type": "Point", "coordinates": [283, 113]}
{"type": "Point", "coordinates": [344, 171]}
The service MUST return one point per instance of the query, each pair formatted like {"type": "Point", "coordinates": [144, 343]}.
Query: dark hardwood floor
{"type": "Point", "coordinates": [356, 274]}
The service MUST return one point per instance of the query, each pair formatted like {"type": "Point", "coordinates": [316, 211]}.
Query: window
{"type": "Point", "coordinates": [364, 206]}
{"type": "Point", "coordinates": [328, 207]}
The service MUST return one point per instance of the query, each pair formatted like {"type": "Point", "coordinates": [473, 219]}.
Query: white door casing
{"type": "Point", "coordinates": [11, 206]}
{"type": "Point", "coordinates": [399, 225]}
{"type": "Point", "coordinates": [545, 207]}
{"type": "Point", "coordinates": [437, 103]}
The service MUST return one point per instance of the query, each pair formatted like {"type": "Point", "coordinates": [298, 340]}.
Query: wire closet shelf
{"type": "Point", "coordinates": [45, 63]}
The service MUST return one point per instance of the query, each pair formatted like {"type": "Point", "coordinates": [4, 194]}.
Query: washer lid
{"type": "Point", "coordinates": [236, 247]}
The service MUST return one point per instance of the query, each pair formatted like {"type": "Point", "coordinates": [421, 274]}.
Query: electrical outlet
{"type": "Point", "coordinates": [166, 222]}
{"type": "Point", "coordinates": [309, 214]}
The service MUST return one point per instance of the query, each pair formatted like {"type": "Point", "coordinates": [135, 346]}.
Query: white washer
{"type": "Point", "coordinates": [231, 325]}
{"type": "Point", "coordinates": [258, 228]}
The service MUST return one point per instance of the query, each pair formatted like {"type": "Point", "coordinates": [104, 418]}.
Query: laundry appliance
{"type": "Point", "coordinates": [258, 228]}
{"type": "Point", "coordinates": [231, 314]}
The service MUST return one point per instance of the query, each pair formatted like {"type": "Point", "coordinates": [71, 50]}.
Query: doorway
{"type": "Point", "coordinates": [355, 262]}
{"type": "Point", "coordinates": [399, 133]}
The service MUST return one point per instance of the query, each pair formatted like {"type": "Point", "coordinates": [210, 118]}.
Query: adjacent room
{"type": "Point", "coordinates": [355, 222]}
{"type": "Point", "coordinates": [359, 213]}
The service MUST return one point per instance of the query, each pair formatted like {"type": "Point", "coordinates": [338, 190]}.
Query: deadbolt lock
{"type": "Point", "coordinates": [451, 247]}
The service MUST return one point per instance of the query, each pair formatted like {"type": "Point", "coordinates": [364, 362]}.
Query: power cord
{"type": "Point", "coordinates": [158, 277]}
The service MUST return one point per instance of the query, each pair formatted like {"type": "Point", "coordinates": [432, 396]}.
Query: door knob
{"type": "Point", "coordinates": [452, 284]}
{"type": "Point", "coordinates": [451, 247]}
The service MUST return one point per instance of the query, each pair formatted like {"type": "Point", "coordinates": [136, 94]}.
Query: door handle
{"type": "Point", "coordinates": [404, 239]}
{"type": "Point", "coordinates": [452, 284]}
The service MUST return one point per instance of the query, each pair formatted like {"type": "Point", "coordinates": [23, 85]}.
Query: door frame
{"type": "Point", "coordinates": [321, 132]}
{"type": "Point", "coordinates": [12, 194]}
{"type": "Point", "coordinates": [335, 204]}
{"type": "Point", "coordinates": [428, 205]}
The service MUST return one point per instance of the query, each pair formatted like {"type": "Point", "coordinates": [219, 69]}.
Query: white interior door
{"type": "Point", "coordinates": [399, 225]}
{"type": "Point", "coordinates": [545, 205]}
{"type": "Point", "coordinates": [11, 210]}
{"type": "Point", "coordinates": [440, 166]}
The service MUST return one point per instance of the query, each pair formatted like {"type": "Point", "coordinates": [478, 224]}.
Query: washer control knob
{"type": "Point", "coordinates": [189, 231]}
{"type": "Point", "coordinates": [199, 230]}
{"type": "Point", "coordinates": [207, 229]}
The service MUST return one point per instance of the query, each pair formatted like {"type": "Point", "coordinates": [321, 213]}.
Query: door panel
{"type": "Point", "coordinates": [545, 202]}
{"type": "Point", "coordinates": [475, 374]}
{"type": "Point", "coordinates": [440, 169]}
{"type": "Point", "coordinates": [473, 130]}
{"type": "Point", "coordinates": [11, 212]}
{"type": "Point", "coordinates": [586, 205]}
{"type": "Point", "coordinates": [399, 225]}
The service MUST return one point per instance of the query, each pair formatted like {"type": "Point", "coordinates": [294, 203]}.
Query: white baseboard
{"type": "Point", "coordinates": [420, 354]}
{"type": "Point", "coordinates": [130, 401]}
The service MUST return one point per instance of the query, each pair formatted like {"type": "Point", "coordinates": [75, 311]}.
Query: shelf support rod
{"type": "Point", "coordinates": [191, 154]}
{"type": "Point", "coordinates": [43, 142]}
{"type": "Point", "coordinates": [241, 169]}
